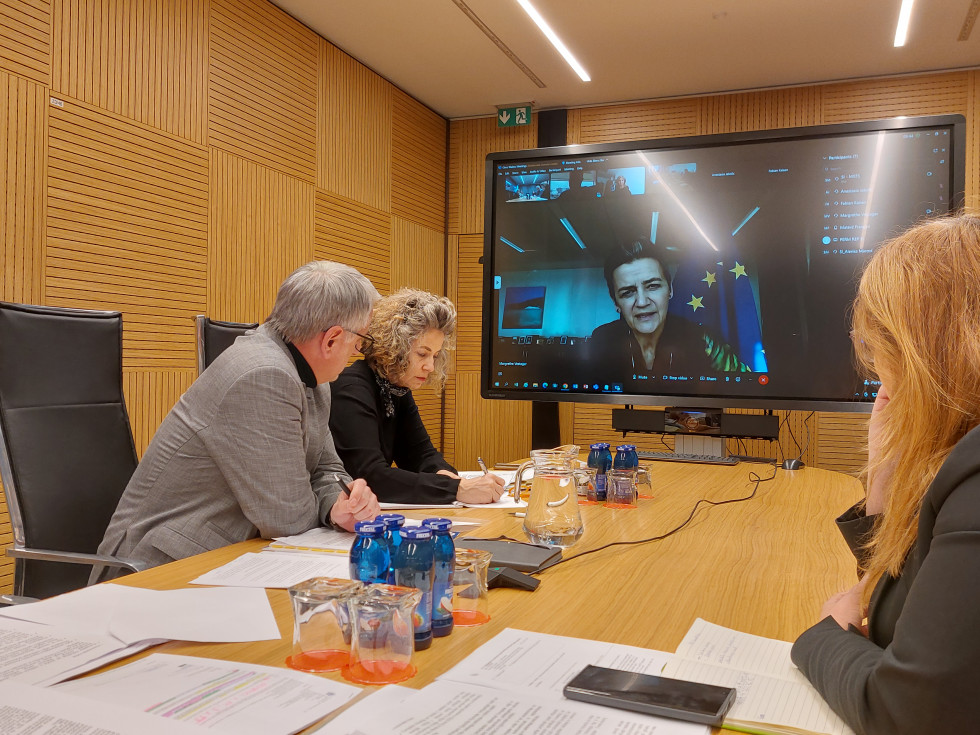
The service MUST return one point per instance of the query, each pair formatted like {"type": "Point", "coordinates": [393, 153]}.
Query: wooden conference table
{"type": "Point", "coordinates": [763, 566]}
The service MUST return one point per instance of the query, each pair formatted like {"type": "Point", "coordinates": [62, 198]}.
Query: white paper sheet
{"type": "Point", "coordinates": [132, 614]}
{"type": "Point", "coordinates": [226, 696]}
{"type": "Point", "coordinates": [521, 661]}
{"type": "Point", "coordinates": [41, 654]}
{"type": "Point", "coordinates": [273, 569]}
{"type": "Point", "coordinates": [450, 708]}
{"type": "Point", "coordinates": [386, 699]}
{"type": "Point", "coordinates": [28, 710]}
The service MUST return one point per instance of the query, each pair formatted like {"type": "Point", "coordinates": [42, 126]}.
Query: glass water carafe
{"type": "Point", "coordinates": [552, 517]}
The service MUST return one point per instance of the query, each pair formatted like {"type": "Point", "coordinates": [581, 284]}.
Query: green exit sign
{"type": "Point", "coordinates": [509, 117]}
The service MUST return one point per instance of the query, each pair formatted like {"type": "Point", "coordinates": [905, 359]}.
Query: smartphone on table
{"type": "Point", "coordinates": [653, 695]}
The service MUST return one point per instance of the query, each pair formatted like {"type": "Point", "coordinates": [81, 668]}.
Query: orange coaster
{"type": "Point", "coordinates": [645, 497]}
{"type": "Point", "coordinates": [316, 661]}
{"type": "Point", "coordinates": [468, 618]}
{"type": "Point", "coordinates": [621, 506]}
{"type": "Point", "coordinates": [590, 502]}
{"type": "Point", "coordinates": [379, 672]}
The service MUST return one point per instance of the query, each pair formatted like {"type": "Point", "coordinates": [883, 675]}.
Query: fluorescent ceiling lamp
{"type": "Point", "coordinates": [572, 232]}
{"type": "Point", "coordinates": [505, 241]}
{"type": "Point", "coordinates": [904, 16]}
{"type": "Point", "coordinates": [555, 41]}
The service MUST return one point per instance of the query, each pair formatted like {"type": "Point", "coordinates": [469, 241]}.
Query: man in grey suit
{"type": "Point", "coordinates": [247, 451]}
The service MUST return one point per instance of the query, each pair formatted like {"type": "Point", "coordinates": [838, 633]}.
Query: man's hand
{"type": "Point", "coordinates": [482, 489]}
{"type": "Point", "coordinates": [359, 504]}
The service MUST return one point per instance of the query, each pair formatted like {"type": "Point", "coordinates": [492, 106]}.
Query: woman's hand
{"type": "Point", "coordinates": [482, 489]}
{"type": "Point", "coordinates": [846, 609]}
{"type": "Point", "coordinates": [358, 504]}
{"type": "Point", "coordinates": [881, 475]}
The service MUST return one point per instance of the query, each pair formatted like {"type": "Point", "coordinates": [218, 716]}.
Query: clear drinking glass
{"type": "Point", "coordinates": [382, 634]}
{"type": "Point", "coordinates": [621, 488]}
{"type": "Point", "coordinates": [470, 603]}
{"type": "Point", "coordinates": [321, 623]}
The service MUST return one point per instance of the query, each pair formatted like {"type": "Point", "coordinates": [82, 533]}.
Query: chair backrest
{"type": "Point", "coordinates": [66, 447]}
{"type": "Point", "coordinates": [214, 337]}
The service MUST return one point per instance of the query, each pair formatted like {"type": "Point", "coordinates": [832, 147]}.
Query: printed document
{"type": "Point", "coordinates": [772, 695]}
{"type": "Point", "coordinates": [539, 663]}
{"type": "Point", "coordinates": [27, 710]}
{"type": "Point", "coordinates": [449, 708]}
{"type": "Point", "coordinates": [273, 569]}
{"type": "Point", "coordinates": [133, 614]}
{"type": "Point", "coordinates": [226, 696]}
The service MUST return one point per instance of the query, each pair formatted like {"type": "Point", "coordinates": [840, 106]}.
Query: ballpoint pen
{"type": "Point", "coordinates": [483, 466]}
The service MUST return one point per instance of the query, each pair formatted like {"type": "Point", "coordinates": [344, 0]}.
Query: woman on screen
{"type": "Point", "coordinates": [915, 668]}
{"type": "Point", "coordinates": [374, 419]}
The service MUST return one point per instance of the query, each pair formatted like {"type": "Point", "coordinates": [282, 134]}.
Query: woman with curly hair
{"type": "Point", "coordinates": [374, 419]}
{"type": "Point", "coordinates": [915, 666]}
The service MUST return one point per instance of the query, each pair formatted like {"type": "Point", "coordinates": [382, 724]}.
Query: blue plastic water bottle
{"type": "Point", "coordinates": [369, 560]}
{"type": "Point", "coordinates": [623, 460]}
{"type": "Point", "coordinates": [444, 554]}
{"type": "Point", "coordinates": [414, 560]}
{"type": "Point", "coordinates": [601, 459]}
{"type": "Point", "coordinates": [392, 522]}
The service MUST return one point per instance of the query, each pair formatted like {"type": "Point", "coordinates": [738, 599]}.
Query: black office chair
{"type": "Point", "coordinates": [214, 337]}
{"type": "Point", "coordinates": [66, 447]}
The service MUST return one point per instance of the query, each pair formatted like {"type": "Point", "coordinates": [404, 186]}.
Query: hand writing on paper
{"type": "Point", "coordinates": [482, 489]}
{"type": "Point", "coordinates": [359, 504]}
{"type": "Point", "coordinates": [846, 609]}
{"type": "Point", "coordinates": [881, 475]}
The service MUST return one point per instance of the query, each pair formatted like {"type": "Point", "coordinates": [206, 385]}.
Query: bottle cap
{"type": "Point", "coordinates": [597, 445]}
{"type": "Point", "coordinates": [415, 533]}
{"type": "Point", "coordinates": [369, 528]}
{"type": "Point", "coordinates": [390, 520]}
{"type": "Point", "coordinates": [438, 524]}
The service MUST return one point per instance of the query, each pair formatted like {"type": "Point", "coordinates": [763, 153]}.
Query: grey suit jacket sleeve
{"type": "Point", "coordinates": [257, 441]}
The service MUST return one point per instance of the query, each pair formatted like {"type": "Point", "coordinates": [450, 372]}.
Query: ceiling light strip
{"type": "Point", "coordinates": [555, 41]}
{"type": "Point", "coordinates": [468, 12]}
{"type": "Point", "coordinates": [904, 16]}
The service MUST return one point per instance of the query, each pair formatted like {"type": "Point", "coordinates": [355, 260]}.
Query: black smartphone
{"type": "Point", "coordinates": [653, 695]}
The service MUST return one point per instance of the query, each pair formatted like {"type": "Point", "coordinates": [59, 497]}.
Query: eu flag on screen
{"type": "Point", "coordinates": [722, 296]}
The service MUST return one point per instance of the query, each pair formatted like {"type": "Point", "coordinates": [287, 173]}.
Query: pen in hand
{"type": "Point", "coordinates": [483, 466]}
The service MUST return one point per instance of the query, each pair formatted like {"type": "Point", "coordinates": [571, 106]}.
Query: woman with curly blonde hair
{"type": "Point", "coordinates": [915, 667]}
{"type": "Point", "coordinates": [374, 419]}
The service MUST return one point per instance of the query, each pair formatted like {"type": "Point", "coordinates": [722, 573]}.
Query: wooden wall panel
{"type": "Point", "coordinates": [470, 141]}
{"type": "Point", "coordinates": [356, 234]}
{"type": "Point", "coordinates": [23, 127]}
{"type": "Point", "coordinates": [354, 130]}
{"type": "Point", "coordinates": [934, 94]}
{"type": "Point", "coordinates": [418, 163]}
{"type": "Point", "coordinates": [143, 59]}
{"type": "Point", "coordinates": [262, 86]}
{"type": "Point", "coordinates": [127, 229]}
{"type": "Point", "coordinates": [418, 257]}
{"type": "Point", "coordinates": [498, 431]}
{"type": "Point", "coordinates": [25, 39]}
{"type": "Point", "coordinates": [449, 421]}
{"type": "Point", "coordinates": [972, 202]}
{"type": "Point", "coordinates": [843, 442]}
{"type": "Point", "coordinates": [781, 108]}
{"type": "Point", "coordinates": [150, 394]}
{"type": "Point", "coordinates": [6, 539]}
{"type": "Point", "coordinates": [641, 121]}
{"type": "Point", "coordinates": [261, 230]}
{"type": "Point", "coordinates": [469, 302]}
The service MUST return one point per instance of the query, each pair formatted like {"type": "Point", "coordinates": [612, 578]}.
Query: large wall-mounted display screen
{"type": "Point", "coordinates": [709, 271]}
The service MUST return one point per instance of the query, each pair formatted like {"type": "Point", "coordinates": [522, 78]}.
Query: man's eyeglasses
{"type": "Point", "coordinates": [364, 340]}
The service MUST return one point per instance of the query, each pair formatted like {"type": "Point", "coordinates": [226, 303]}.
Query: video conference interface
{"type": "Point", "coordinates": [748, 261]}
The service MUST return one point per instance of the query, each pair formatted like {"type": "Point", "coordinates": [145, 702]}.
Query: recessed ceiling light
{"type": "Point", "coordinates": [904, 16]}
{"type": "Point", "coordinates": [555, 41]}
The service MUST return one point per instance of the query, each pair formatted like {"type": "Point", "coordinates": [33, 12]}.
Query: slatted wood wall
{"type": "Point", "coordinates": [833, 441]}
{"type": "Point", "coordinates": [167, 159]}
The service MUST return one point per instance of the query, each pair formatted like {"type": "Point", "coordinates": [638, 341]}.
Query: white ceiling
{"type": "Point", "coordinates": [634, 49]}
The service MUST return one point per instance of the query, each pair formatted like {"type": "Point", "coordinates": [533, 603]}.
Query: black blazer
{"type": "Point", "coordinates": [919, 669]}
{"type": "Point", "coordinates": [369, 443]}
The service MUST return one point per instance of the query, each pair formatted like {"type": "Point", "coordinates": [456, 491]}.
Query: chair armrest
{"type": "Point", "coordinates": [71, 557]}
{"type": "Point", "coordinates": [6, 600]}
